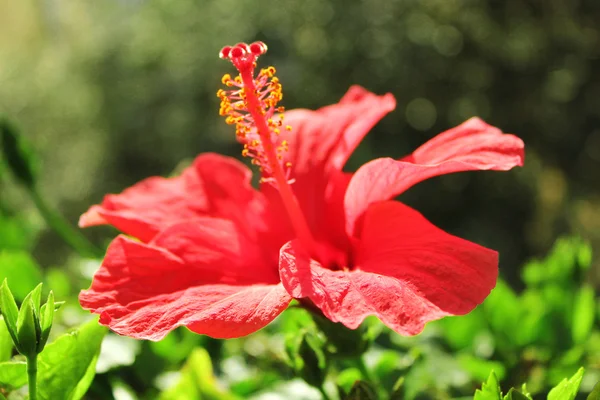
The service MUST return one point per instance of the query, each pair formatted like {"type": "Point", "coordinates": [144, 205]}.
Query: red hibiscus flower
{"type": "Point", "coordinates": [224, 259]}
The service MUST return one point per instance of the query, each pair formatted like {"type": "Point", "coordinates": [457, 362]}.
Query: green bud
{"type": "Point", "coordinates": [9, 310]}
{"type": "Point", "coordinates": [313, 365]}
{"type": "Point", "coordinates": [27, 329]}
{"type": "Point", "coordinates": [17, 157]}
{"type": "Point", "coordinates": [348, 343]}
{"type": "Point", "coordinates": [30, 326]}
{"type": "Point", "coordinates": [46, 319]}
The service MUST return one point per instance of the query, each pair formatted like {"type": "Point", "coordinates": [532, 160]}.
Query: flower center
{"type": "Point", "coordinates": [251, 105]}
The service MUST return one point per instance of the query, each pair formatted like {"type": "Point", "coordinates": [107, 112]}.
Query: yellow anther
{"type": "Point", "coordinates": [226, 79]}
{"type": "Point", "coordinates": [288, 128]}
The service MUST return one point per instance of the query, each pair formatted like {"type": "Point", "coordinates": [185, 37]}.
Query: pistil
{"type": "Point", "coordinates": [257, 131]}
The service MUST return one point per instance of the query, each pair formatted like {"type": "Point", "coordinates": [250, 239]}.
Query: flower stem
{"type": "Point", "coordinates": [32, 376]}
{"type": "Point", "coordinates": [55, 221]}
{"type": "Point", "coordinates": [324, 393]}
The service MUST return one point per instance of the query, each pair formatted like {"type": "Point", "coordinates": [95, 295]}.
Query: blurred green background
{"type": "Point", "coordinates": [110, 92]}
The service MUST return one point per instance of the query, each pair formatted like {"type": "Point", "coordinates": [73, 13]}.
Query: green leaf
{"type": "Point", "coordinates": [568, 388]}
{"type": "Point", "coordinates": [559, 265]}
{"type": "Point", "coordinates": [66, 367]}
{"type": "Point", "coordinates": [16, 153]}
{"type": "Point", "coordinates": [9, 310]}
{"type": "Point", "coordinates": [514, 394]}
{"type": "Point", "coordinates": [21, 270]}
{"type": "Point", "coordinates": [362, 391]}
{"type": "Point", "coordinates": [197, 381]}
{"type": "Point", "coordinates": [490, 390]}
{"type": "Point", "coordinates": [584, 257]}
{"type": "Point", "coordinates": [13, 374]}
{"type": "Point", "coordinates": [346, 378]}
{"type": "Point", "coordinates": [595, 395]}
{"type": "Point", "coordinates": [6, 343]}
{"type": "Point", "coordinates": [583, 314]}
{"type": "Point", "coordinates": [502, 307]}
{"type": "Point", "coordinates": [27, 329]}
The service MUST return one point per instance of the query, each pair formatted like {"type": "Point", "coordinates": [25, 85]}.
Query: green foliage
{"type": "Point", "coordinates": [66, 366]}
{"type": "Point", "coordinates": [6, 342]}
{"type": "Point", "coordinates": [197, 381]}
{"type": "Point", "coordinates": [70, 380]}
{"type": "Point", "coordinates": [13, 374]}
{"type": "Point", "coordinates": [567, 389]}
{"type": "Point", "coordinates": [9, 310]}
{"type": "Point", "coordinates": [595, 394]}
{"type": "Point", "coordinates": [21, 270]}
{"type": "Point", "coordinates": [362, 391]}
{"type": "Point", "coordinates": [490, 390]}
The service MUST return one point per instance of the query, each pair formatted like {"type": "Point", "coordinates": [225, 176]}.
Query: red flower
{"type": "Point", "coordinates": [223, 259]}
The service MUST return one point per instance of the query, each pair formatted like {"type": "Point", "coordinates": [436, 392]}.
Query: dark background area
{"type": "Point", "coordinates": [112, 92]}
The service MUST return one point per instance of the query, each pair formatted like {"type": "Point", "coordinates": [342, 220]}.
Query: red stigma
{"type": "Point", "coordinates": [242, 53]}
{"type": "Point", "coordinates": [258, 48]}
{"type": "Point", "coordinates": [225, 51]}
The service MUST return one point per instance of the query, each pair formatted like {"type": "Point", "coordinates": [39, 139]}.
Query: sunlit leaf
{"type": "Point", "coordinates": [583, 314]}
{"type": "Point", "coordinates": [490, 390]}
{"type": "Point", "coordinates": [568, 388]}
{"type": "Point", "coordinates": [514, 394]}
{"type": "Point", "coordinates": [13, 374]}
{"type": "Point", "coordinates": [6, 343]}
{"type": "Point", "coordinates": [66, 367]}
{"type": "Point", "coordinates": [197, 381]}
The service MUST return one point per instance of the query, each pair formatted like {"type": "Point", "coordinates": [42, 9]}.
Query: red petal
{"type": "Point", "coordinates": [145, 292]}
{"type": "Point", "coordinates": [328, 136]}
{"type": "Point", "coordinates": [320, 143]}
{"type": "Point", "coordinates": [213, 186]}
{"type": "Point", "coordinates": [227, 252]}
{"type": "Point", "coordinates": [407, 272]}
{"type": "Point", "coordinates": [473, 145]}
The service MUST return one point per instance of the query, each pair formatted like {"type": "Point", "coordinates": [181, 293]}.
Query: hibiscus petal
{"type": "Point", "coordinates": [407, 272]}
{"type": "Point", "coordinates": [214, 185]}
{"type": "Point", "coordinates": [473, 145]}
{"type": "Point", "coordinates": [145, 292]}
{"type": "Point", "coordinates": [326, 137]}
{"type": "Point", "coordinates": [228, 252]}
{"type": "Point", "coordinates": [320, 143]}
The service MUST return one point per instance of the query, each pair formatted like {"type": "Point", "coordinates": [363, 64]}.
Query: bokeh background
{"type": "Point", "coordinates": [109, 92]}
